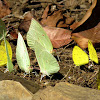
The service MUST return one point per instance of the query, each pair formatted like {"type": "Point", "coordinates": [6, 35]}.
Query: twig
{"type": "Point", "coordinates": [67, 73]}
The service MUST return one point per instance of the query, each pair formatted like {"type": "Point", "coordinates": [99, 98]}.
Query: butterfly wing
{"type": "Point", "coordinates": [37, 34]}
{"type": "Point", "coordinates": [92, 52]}
{"type": "Point", "coordinates": [79, 56]}
{"type": "Point", "coordinates": [47, 62]}
{"type": "Point", "coordinates": [22, 55]}
{"type": "Point", "coordinates": [3, 55]}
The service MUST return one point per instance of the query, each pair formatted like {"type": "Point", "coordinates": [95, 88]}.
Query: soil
{"type": "Point", "coordinates": [83, 76]}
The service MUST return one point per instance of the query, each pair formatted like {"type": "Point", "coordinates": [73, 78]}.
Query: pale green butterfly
{"type": "Point", "coordinates": [39, 41]}
{"type": "Point", "coordinates": [37, 34]}
{"type": "Point", "coordinates": [22, 55]}
{"type": "Point", "coordinates": [47, 62]}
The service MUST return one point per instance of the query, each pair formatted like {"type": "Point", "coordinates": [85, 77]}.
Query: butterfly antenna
{"type": "Point", "coordinates": [58, 58]}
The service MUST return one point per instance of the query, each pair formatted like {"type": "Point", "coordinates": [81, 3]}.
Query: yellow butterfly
{"type": "Point", "coordinates": [81, 58]}
{"type": "Point", "coordinates": [92, 52]}
{"type": "Point", "coordinates": [3, 55]}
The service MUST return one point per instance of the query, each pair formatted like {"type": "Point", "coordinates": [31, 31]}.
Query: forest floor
{"type": "Point", "coordinates": [76, 9]}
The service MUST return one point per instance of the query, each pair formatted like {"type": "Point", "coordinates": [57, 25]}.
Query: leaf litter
{"type": "Point", "coordinates": [76, 75]}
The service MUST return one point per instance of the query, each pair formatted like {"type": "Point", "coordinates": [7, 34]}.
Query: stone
{"type": "Point", "coordinates": [32, 86]}
{"type": "Point", "coordinates": [66, 91]}
{"type": "Point", "coordinates": [12, 90]}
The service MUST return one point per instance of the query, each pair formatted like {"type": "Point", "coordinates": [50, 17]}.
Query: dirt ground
{"type": "Point", "coordinates": [83, 76]}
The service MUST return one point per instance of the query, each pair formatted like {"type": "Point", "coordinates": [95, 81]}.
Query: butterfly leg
{"type": "Point", "coordinates": [36, 74]}
{"type": "Point", "coordinates": [91, 64]}
{"type": "Point", "coordinates": [43, 75]}
{"type": "Point", "coordinates": [6, 71]}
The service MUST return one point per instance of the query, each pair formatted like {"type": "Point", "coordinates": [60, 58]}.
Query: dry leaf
{"type": "Point", "coordinates": [45, 13]}
{"type": "Point", "coordinates": [12, 33]}
{"type": "Point", "coordinates": [4, 8]}
{"type": "Point", "coordinates": [26, 22]}
{"type": "Point", "coordinates": [80, 40]}
{"type": "Point", "coordinates": [69, 20]}
{"type": "Point", "coordinates": [53, 19]}
{"type": "Point", "coordinates": [58, 36]}
{"type": "Point", "coordinates": [87, 15]}
{"type": "Point", "coordinates": [92, 34]}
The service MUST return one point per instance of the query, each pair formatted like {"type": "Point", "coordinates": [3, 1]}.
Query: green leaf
{"type": "Point", "coordinates": [37, 34]}
{"type": "Point", "coordinates": [9, 62]}
{"type": "Point", "coordinates": [2, 29]}
{"type": "Point", "coordinates": [22, 55]}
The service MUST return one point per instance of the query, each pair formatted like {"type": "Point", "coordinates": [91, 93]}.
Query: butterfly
{"type": "Point", "coordinates": [37, 34]}
{"type": "Point", "coordinates": [81, 58]}
{"type": "Point", "coordinates": [92, 52]}
{"type": "Point", "coordinates": [38, 41]}
{"type": "Point", "coordinates": [22, 55]}
{"type": "Point", "coordinates": [3, 55]}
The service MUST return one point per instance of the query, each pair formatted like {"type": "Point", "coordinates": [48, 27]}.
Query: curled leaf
{"type": "Point", "coordinates": [87, 15]}
{"type": "Point", "coordinates": [93, 34]}
{"type": "Point", "coordinates": [80, 40]}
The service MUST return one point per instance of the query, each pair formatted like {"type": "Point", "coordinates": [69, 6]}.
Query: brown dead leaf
{"type": "Point", "coordinates": [26, 22]}
{"type": "Point", "coordinates": [55, 18]}
{"type": "Point", "coordinates": [80, 40]}
{"type": "Point", "coordinates": [87, 15]}
{"type": "Point", "coordinates": [45, 13]}
{"type": "Point", "coordinates": [58, 36]}
{"type": "Point", "coordinates": [69, 20]}
{"type": "Point", "coordinates": [4, 8]}
{"type": "Point", "coordinates": [12, 33]}
{"type": "Point", "coordinates": [92, 34]}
